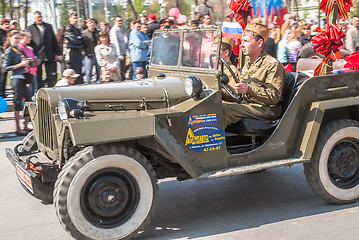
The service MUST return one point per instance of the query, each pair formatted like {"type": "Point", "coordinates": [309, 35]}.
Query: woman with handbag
{"type": "Point", "coordinates": [28, 53]}
{"type": "Point", "coordinates": [14, 62]}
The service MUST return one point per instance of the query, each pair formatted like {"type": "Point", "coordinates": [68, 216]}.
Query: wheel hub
{"type": "Point", "coordinates": [110, 198]}
{"type": "Point", "coordinates": [343, 164]}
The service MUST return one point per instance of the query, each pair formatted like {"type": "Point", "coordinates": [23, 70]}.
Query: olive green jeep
{"type": "Point", "coordinates": [97, 150]}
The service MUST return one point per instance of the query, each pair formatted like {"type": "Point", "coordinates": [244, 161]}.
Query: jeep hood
{"type": "Point", "coordinates": [150, 93]}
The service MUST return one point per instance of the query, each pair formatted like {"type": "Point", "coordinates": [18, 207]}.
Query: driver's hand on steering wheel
{"type": "Point", "coordinates": [241, 87]}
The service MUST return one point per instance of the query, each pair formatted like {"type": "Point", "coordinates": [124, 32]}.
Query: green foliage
{"type": "Point", "coordinates": [185, 8]}
{"type": "Point", "coordinates": [138, 5]}
{"type": "Point", "coordinates": [154, 8]}
{"type": "Point", "coordinates": [4, 8]}
{"type": "Point", "coordinates": [354, 11]}
{"type": "Point", "coordinates": [305, 11]}
{"type": "Point", "coordinates": [68, 6]}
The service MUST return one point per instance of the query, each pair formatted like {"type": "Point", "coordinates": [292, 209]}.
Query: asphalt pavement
{"type": "Point", "coordinates": [275, 204]}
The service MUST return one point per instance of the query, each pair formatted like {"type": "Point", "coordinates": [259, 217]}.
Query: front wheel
{"type": "Point", "coordinates": [106, 192]}
{"type": "Point", "coordinates": [333, 172]}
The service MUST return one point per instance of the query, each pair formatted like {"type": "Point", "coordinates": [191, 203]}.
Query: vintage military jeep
{"type": "Point", "coordinates": [97, 150]}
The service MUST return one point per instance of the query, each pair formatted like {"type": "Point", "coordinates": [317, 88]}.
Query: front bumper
{"type": "Point", "coordinates": [26, 177]}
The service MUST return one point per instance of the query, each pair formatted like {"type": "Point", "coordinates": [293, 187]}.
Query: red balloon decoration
{"type": "Point", "coordinates": [174, 12]}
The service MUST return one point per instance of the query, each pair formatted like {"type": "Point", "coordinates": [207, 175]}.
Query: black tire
{"type": "Point", "coordinates": [307, 52]}
{"type": "Point", "coordinates": [106, 192]}
{"type": "Point", "coordinates": [333, 172]}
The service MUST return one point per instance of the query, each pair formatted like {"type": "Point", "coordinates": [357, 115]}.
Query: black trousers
{"type": "Point", "coordinates": [51, 74]}
{"type": "Point", "coordinates": [76, 64]}
{"type": "Point", "coordinates": [123, 69]}
{"type": "Point", "coordinates": [3, 77]}
{"type": "Point", "coordinates": [20, 92]}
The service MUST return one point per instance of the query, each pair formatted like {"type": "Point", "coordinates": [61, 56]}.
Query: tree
{"type": "Point", "coordinates": [11, 9]}
{"type": "Point", "coordinates": [132, 8]}
{"type": "Point", "coordinates": [64, 13]}
{"type": "Point", "coordinates": [4, 7]}
{"type": "Point", "coordinates": [354, 11]}
{"type": "Point", "coordinates": [26, 11]}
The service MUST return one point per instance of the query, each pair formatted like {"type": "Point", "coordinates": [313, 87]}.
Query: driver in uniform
{"type": "Point", "coordinates": [262, 80]}
{"type": "Point", "coordinates": [226, 52]}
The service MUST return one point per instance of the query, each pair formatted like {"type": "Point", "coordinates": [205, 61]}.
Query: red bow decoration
{"type": "Point", "coordinates": [352, 61]}
{"type": "Point", "coordinates": [239, 7]}
{"type": "Point", "coordinates": [328, 44]}
{"type": "Point", "coordinates": [343, 7]}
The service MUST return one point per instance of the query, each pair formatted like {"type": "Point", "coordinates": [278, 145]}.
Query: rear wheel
{"type": "Point", "coordinates": [333, 172]}
{"type": "Point", "coordinates": [106, 192]}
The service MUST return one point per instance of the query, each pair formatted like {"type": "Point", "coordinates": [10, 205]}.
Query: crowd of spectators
{"type": "Point", "coordinates": [98, 52]}
{"type": "Point", "coordinates": [96, 46]}
{"type": "Point", "coordinates": [294, 35]}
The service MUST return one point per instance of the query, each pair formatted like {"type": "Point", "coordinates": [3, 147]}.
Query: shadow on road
{"type": "Point", "coordinates": [2, 119]}
{"type": "Point", "coordinates": [10, 137]}
{"type": "Point", "coordinates": [193, 209]}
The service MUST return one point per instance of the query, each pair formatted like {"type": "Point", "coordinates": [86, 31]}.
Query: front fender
{"type": "Point", "coordinates": [101, 127]}
{"type": "Point", "coordinates": [29, 110]}
{"type": "Point", "coordinates": [314, 120]}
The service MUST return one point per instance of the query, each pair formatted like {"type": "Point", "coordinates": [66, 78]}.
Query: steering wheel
{"type": "Point", "coordinates": [224, 79]}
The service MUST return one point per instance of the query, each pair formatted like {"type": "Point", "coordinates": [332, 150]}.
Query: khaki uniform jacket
{"type": "Point", "coordinates": [265, 78]}
{"type": "Point", "coordinates": [231, 82]}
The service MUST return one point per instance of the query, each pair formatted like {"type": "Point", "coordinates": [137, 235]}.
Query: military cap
{"type": "Point", "coordinates": [258, 28]}
{"type": "Point", "coordinates": [166, 22]}
{"type": "Point", "coordinates": [229, 41]}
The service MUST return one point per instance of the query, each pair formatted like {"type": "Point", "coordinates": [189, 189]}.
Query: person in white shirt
{"type": "Point", "coordinates": [352, 36]}
{"type": "Point", "coordinates": [68, 78]}
{"type": "Point", "coordinates": [118, 38]}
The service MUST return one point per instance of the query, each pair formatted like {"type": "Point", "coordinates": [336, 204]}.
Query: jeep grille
{"type": "Point", "coordinates": [46, 125]}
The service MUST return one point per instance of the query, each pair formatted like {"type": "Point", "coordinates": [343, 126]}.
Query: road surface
{"type": "Point", "coordinates": [276, 204]}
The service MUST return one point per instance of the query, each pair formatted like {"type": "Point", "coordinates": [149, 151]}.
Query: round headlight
{"type": "Point", "coordinates": [70, 107]}
{"type": "Point", "coordinates": [188, 87]}
{"type": "Point", "coordinates": [61, 108]}
{"type": "Point", "coordinates": [193, 86]}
